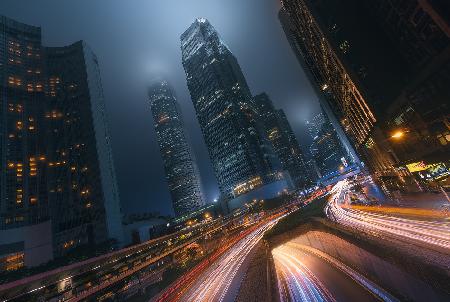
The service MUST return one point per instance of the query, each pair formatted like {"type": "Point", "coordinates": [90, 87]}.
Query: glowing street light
{"type": "Point", "coordinates": [398, 134]}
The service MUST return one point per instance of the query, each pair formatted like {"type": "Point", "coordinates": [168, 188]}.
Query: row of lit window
{"type": "Point", "coordinates": [54, 114]}
{"type": "Point", "coordinates": [15, 61]}
{"type": "Point", "coordinates": [12, 262]}
{"type": "Point", "coordinates": [34, 87]}
{"type": "Point", "coordinates": [12, 165]}
{"type": "Point", "coordinates": [9, 220]}
{"type": "Point", "coordinates": [19, 126]}
{"type": "Point", "coordinates": [68, 244]}
{"type": "Point", "coordinates": [14, 81]}
{"type": "Point", "coordinates": [15, 108]}
{"type": "Point", "coordinates": [17, 82]}
{"type": "Point", "coordinates": [37, 71]}
{"type": "Point", "coordinates": [57, 163]}
{"type": "Point", "coordinates": [15, 51]}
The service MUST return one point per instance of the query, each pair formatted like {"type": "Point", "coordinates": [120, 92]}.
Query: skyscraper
{"type": "Point", "coordinates": [24, 205]}
{"type": "Point", "coordinates": [284, 142]}
{"type": "Point", "coordinates": [356, 76]}
{"type": "Point", "coordinates": [377, 86]}
{"type": "Point", "coordinates": [57, 182]}
{"type": "Point", "coordinates": [179, 163]}
{"type": "Point", "coordinates": [223, 103]}
{"type": "Point", "coordinates": [23, 194]}
{"type": "Point", "coordinates": [81, 174]}
{"type": "Point", "coordinates": [326, 149]}
{"type": "Point", "coordinates": [329, 154]}
{"type": "Point", "coordinates": [315, 124]}
{"type": "Point", "coordinates": [325, 99]}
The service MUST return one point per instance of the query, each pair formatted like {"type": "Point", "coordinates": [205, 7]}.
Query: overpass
{"type": "Point", "coordinates": [80, 280]}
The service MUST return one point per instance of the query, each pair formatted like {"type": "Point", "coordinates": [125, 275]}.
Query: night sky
{"type": "Point", "coordinates": [138, 40]}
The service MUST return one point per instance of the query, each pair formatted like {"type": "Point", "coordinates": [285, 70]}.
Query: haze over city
{"type": "Point", "coordinates": [212, 150]}
{"type": "Point", "coordinates": [144, 43]}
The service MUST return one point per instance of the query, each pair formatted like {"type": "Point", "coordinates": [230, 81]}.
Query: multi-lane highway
{"type": "Point", "coordinates": [220, 279]}
{"type": "Point", "coordinates": [432, 234]}
{"type": "Point", "coordinates": [307, 274]}
{"type": "Point", "coordinates": [120, 268]}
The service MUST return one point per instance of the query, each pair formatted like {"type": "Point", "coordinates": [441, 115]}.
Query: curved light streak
{"type": "Point", "coordinates": [433, 234]}
{"type": "Point", "coordinates": [302, 283]}
{"type": "Point", "coordinates": [215, 283]}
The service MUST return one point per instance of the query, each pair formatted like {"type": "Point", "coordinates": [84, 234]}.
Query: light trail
{"type": "Point", "coordinates": [363, 281]}
{"type": "Point", "coordinates": [431, 233]}
{"type": "Point", "coordinates": [214, 284]}
{"type": "Point", "coordinates": [301, 282]}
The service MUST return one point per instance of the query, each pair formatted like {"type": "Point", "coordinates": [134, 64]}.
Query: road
{"type": "Point", "coordinates": [221, 280]}
{"type": "Point", "coordinates": [94, 275]}
{"type": "Point", "coordinates": [431, 234]}
{"type": "Point", "coordinates": [306, 274]}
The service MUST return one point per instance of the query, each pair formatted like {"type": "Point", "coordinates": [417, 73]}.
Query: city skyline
{"type": "Point", "coordinates": [128, 106]}
{"type": "Point", "coordinates": [243, 159]}
{"type": "Point", "coordinates": [212, 150]}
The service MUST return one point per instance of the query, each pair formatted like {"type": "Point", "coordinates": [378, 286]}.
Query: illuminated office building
{"type": "Point", "coordinates": [57, 182]}
{"type": "Point", "coordinates": [380, 65]}
{"type": "Point", "coordinates": [239, 151]}
{"type": "Point", "coordinates": [327, 149]}
{"type": "Point", "coordinates": [82, 183]}
{"type": "Point", "coordinates": [181, 170]}
{"type": "Point", "coordinates": [283, 140]}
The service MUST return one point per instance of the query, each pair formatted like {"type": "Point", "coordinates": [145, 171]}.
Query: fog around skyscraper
{"type": "Point", "coordinates": [133, 54]}
{"type": "Point", "coordinates": [182, 175]}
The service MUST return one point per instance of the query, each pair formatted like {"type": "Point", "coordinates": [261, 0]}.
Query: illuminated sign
{"type": "Point", "coordinates": [435, 171]}
{"type": "Point", "coordinates": [247, 186]}
{"type": "Point", "coordinates": [416, 167]}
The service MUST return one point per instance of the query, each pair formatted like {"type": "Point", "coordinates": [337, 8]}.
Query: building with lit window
{"type": "Point", "coordinates": [181, 170]}
{"type": "Point", "coordinates": [315, 124]}
{"type": "Point", "coordinates": [23, 182]}
{"type": "Point", "coordinates": [420, 31]}
{"type": "Point", "coordinates": [369, 82]}
{"type": "Point", "coordinates": [326, 148]}
{"type": "Point", "coordinates": [241, 156]}
{"type": "Point", "coordinates": [325, 99]}
{"type": "Point", "coordinates": [57, 176]}
{"type": "Point", "coordinates": [82, 183]}
{"type": "Point", "coordinates": [283, 140]}
{"type": "Point", "coordinates": [356, 77]}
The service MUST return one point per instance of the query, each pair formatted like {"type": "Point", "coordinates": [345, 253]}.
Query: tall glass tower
{"type": "Point", "coordinates": [284, 142]}
{"type": "Point", "coordinates": [81, 168]}
{"type": "Point", "coordinates": [223, 104]}
{"type": "Point", "coordinates": [57, 176]}
{"type": "Point", "coordinates": [181, 170]}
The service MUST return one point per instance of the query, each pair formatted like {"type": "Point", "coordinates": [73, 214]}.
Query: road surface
{"type": "Point", "coordinates": [432, 234]}
{"type": "Point", "coordinates": [222, 279]}
{"type": "Point", "coordinates": [306, 274]}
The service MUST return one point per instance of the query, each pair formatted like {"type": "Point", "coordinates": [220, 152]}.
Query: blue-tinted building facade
{"type": "Point", "coordinates": [181, 170]}
{"type": "Point", "coordinates": [284, 142]}
{"type": "Point", "coordinates": [241, 155]}
{"type": "Point", "coordinates": [57, 171]}
{"type": "Point", "coordinates": [81, 169]}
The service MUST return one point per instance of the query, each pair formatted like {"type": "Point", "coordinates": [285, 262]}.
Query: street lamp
{"type": "Point", "coordinates": [398, 134]}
